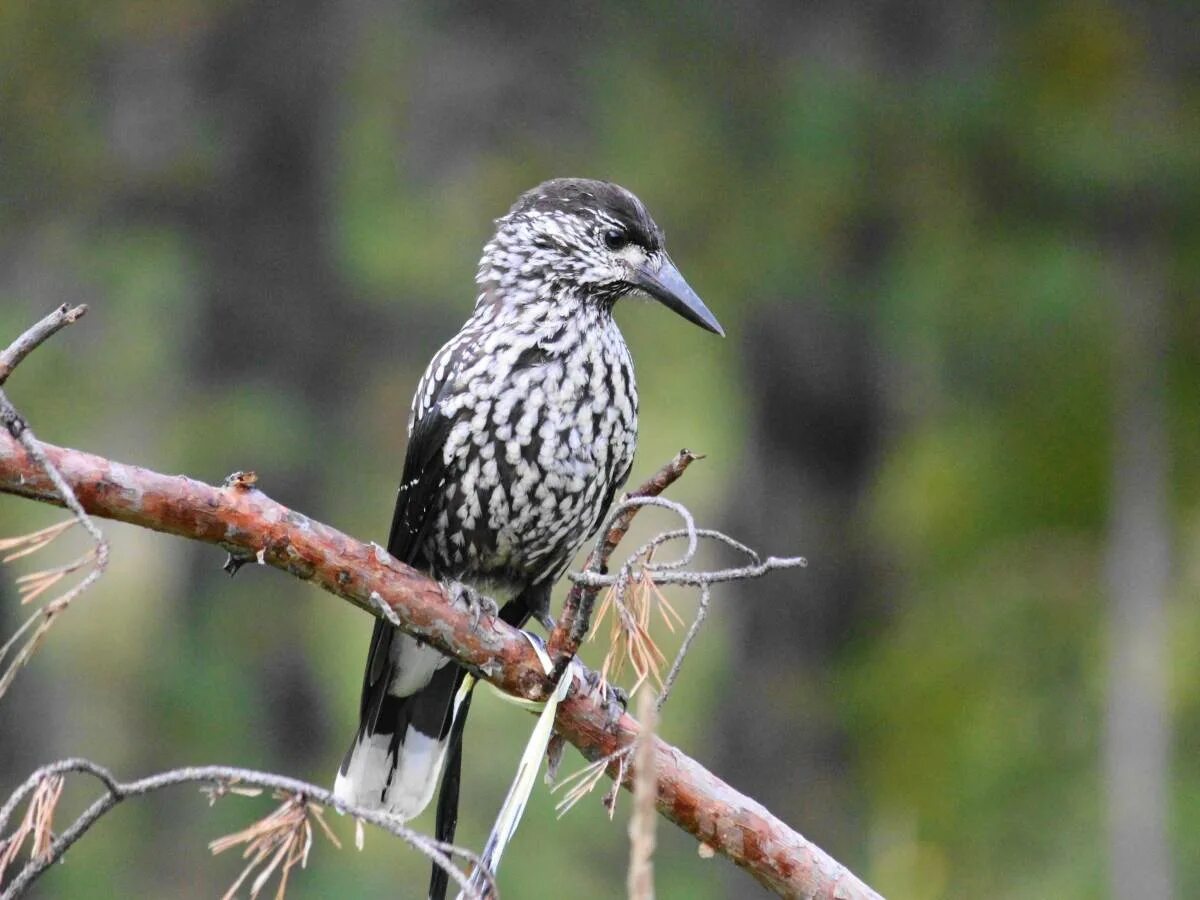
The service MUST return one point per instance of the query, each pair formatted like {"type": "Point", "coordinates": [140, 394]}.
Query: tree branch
{"type": "Point", "coordinates": [249, 524]}
{"type": "Point", "coordinates": [220, 780]}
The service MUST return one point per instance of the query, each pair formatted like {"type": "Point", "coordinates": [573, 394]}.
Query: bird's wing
{"type": "Point", "coordinates": [420, 485]}
{"type": "Point", "coordinates": [424, 470]}
{"type": "Point", "coordinates": [424, 474]}
{"type": "Point", "coordinates": [606, 507]}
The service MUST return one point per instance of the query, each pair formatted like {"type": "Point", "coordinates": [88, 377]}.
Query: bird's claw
{"type": "Point", "coordinates": [615, 699]}
{"type": "Point", "coordinates": [477, 604]}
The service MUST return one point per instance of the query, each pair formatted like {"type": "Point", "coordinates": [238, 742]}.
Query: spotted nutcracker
{"type": "Point", "coordinates": [522, 430]}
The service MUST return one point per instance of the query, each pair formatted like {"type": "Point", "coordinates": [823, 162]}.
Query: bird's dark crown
{"type": "Point", "coordinates": [584, 197]}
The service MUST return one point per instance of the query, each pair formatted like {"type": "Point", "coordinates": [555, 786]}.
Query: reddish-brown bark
{"type": "Point", "coordinates": [247, 522]}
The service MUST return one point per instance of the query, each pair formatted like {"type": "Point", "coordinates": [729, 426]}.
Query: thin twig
{"type": "Point", "coordinates": [576, 618]}
{"type": "Point", "coordinates": [684, 647]}
{"type": "Point", "coordinates": [218, 781]}
{"type": "Point", "coordinates": [642, 821]}
{"type": "Point", "coordinates": [31, 339]}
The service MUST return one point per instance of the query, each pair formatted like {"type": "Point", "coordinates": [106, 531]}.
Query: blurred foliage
{"type": "Point", "coordinates": [759, 135]}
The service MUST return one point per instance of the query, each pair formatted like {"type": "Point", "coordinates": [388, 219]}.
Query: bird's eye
{"type": "Point", "coordinates": [615, 239]}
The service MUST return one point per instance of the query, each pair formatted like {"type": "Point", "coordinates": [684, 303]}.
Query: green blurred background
{"type": "Point", "coordinates": [957, 251]}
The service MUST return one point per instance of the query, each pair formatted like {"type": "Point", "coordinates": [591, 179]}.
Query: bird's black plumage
{"type": "Point", "coordinates": [523, 428]}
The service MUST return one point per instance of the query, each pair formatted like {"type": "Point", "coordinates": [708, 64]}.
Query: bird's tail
{"type": "Point", "coordinates": [447, 809]}
{"type": "Point", "coordinates": [404, 726]}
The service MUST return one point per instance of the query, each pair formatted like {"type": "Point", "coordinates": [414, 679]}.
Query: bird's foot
{"type": "Point", "coordinates": [477, 604]}
{"type": "Point", "coordinates": [615, 700]}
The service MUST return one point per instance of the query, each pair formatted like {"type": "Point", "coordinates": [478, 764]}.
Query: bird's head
{"type": "Point", "coordinates": [589, 241]}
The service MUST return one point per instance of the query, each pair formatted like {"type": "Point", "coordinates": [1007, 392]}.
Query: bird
{"type": "Point", "coordinates": [521, 431]}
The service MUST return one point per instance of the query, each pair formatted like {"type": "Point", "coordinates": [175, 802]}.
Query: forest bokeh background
{"type": "Point", "coordinates": [956, 248]}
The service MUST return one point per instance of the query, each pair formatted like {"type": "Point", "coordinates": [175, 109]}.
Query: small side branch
{"type": "Point", "coordinates": [33, 338]}
{"type": "Point", "coordinates": [640, 882]}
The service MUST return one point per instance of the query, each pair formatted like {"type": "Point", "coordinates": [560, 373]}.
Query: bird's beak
{"type": "Point", "coordinates": [659, 278]}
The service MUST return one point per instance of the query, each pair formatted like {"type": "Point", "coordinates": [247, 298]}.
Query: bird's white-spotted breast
{"type": "Point", "coordinates": [542, 409]}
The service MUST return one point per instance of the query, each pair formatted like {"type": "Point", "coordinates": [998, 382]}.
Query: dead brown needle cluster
{"type": "Point", "coordinates": [34, 585]}
{"type": "Point", "coordinates": [26, 544]}
{"type": "Point", "coordinates": [278, 841]}
{"type": "Point", "coordinates": [581, 783]}
{"type": "Point", "coordinates": [632, 603]}
{"type": "Point", "coordinates": [37, 822]}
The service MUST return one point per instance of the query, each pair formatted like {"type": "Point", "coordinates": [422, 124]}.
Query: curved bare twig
{"type": "Point", "coordinates": [219, 779]}
{"type": "Point", "coordinates": [97, 556]}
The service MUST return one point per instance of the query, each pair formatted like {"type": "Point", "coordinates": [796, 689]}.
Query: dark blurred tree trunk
{"type": "Point", "coordinates": [819, 405]}
{"type": "Point", "coordinates": [270, 305]}
{"type": "Point", "coordinates": [266, 222]}
{"type": "Point", "coordinates": [815, 422]}
{"type": "Point", "coordinates": [1138, 734]}
{"type": "Point", "coordinates": [271, 289]}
